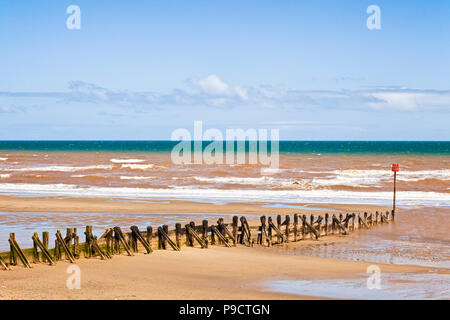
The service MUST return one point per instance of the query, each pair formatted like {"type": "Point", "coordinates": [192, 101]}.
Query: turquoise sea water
{"type": "Point", "coordinates": [322, 147]}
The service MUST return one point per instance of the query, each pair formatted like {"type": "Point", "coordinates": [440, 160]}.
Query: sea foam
{"type": "Point", "coordinates": [186, 193]}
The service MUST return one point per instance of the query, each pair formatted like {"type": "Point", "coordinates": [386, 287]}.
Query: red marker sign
{"type": "Point", "coordinates": [395, 167]}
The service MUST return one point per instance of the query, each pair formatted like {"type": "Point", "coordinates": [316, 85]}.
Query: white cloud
{"type": "Point", "coordinates": [214, 92]}
{"type": "Point", "coordinates": [212, 85]}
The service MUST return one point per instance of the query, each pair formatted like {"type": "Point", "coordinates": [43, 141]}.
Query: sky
{"type": "Point", "coordinates": [138, 70]}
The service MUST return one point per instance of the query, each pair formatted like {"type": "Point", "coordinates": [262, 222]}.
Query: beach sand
{"type": "Point", "coordinates": [193, 273]}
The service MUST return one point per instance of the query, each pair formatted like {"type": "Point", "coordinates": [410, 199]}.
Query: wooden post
{"type": "Point", "coordinates": [279, 227]}
{"type": "Point", "coordinates": [326, 223]}
{"type": "Point", "coordinates": [178, 234]}
{"type": "Point", "coordinates": [235, 229]}
{"type": "Point", "coordinates": [303, 226]}
{"type": "Point", "coordinates": [134, 241]}
{"type": "Point", "coordinates": [46, 256]}
{"type": "Point", "coordinates": [18, 251]}
{"type": "Point", "coordinates": [76, 244]}
{"type": "Point", "coordinates": [311, 222]}
{"type": "Point", "coordinates": [68, 238]}
{"type": "Point", "coordinates": [270, 231]}
{"type": "Point", "coordinates": [118, 235]}
{"type": "Point", "coordinates": [287, 231]}
{"type": "Point", "coordinates": [263, 238]}
{"type": "Point", "coordinates": [88, 244]}
{"type": "Point", "coordinates": [35, 252]}
{"type": "Point", "coordinates": [138, 237]}
{"type": "Point", "coordinates": [205, 232]}
{"type": "Point", "coordinates": [295, 227]}
{"type": "Point", "coordinates": [189, 237]}
{"type": "Point", "coordinates": [62, 243]}
{"type": "Point", "coordinates": [310, 227]}
{"type": "Point", "coordinates": [395, 191]}
{"type": "Point", "coordinates": [319, 222]}
{"type": "Point", "coordinates": [190, 229]}
{"type": "Point", "coordinates": [393, 215]}
{"type": "Point", "coordinates": [12, 256]}
{"type": "Point", "coordinates": [163, 232]}
{"type": "Point", "coordinates": [57, 251]}
{"type": "Point", "coordinates": [162, 240]}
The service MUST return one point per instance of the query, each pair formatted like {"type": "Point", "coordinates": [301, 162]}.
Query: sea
{"type": "Point", "coordinates": [308, 171]}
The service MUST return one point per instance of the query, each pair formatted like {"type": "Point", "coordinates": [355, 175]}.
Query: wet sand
{"type": "Point", "coordinates": [97, 204]}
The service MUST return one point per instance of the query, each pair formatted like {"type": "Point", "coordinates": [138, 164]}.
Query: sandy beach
{"type": "Point", "coordinates": [216, 273]}
{"type": "Point", "coordinates": [194, 273]}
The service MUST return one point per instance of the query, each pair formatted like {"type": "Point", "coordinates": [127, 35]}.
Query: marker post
{"type": "Point", "coordinates": [395, 169]}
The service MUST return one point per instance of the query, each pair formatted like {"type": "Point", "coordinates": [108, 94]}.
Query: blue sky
{"type": "Point", "coordinates": [140, 69]}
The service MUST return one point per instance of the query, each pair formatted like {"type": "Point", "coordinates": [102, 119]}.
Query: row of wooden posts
{"type": "Point", "coordinates": [114, 241]}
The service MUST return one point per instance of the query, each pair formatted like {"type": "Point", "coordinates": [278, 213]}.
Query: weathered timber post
{"type": "Point", "coordinates": [205, 232]}
{"type": "Point", "coordinates": [161, 239]}
{"type": "Point", "coordinates": [45, 239]}
{"type": "Point", "coordinates": [295, 227]}
{"type": "Point", "coordinates": [192, 232]}
{"type": "Point", "coordinates": [376, 217]}
{"type": "Point", "coordinates": [62, 243]}
{"type": "Point", "coordinates": [189, 237]}
{"type": "Point", "coordinates": [178, 234]}
{"type": "Point", "coordinates": [76, 244]}
{"type": "Point", "coordinates": [303, 227]}
{"type": "Point", "coordinates": [326, 223]}
{"type": "Point", "coordinates": [310, 227]}
{"type": "Point", "coordinates": [35, 252]}
{"type": "Point", "coordinates": [134, 240]}
{"type": "Point", "coordinates": [18, 251]}
{"type": "Point", "coordinates": [393, 215]}
{"type": "Point", "coordinates": [340, 222]}
{"type": "Point", "coordinates": [164, 233]}
{"type": "Point", "coordinates": [88, 244]}
{"type": "Point", "coordinates": [58, 253]}
{"type": "Point", "coordinates": [46, 256]}
{"type": "Point", "coordinates": [270, 231]}
{"type": "Point", "coordinates": [225, 232]}
{"type": "Point", "coordinates": [311, 222]}
{"type": "Point", "coordinates": [12, 256]}
{"type": "Point", "coordinates": [263, 238]}
{"type": "Point", "coordinates": [118, 235]}
{"type": "Point", "coordinates": [68, 238]}
{"type": "Point", "coordinates": [279, 227]}
{"type": "Point", "coordinates": [138, 237]}
{"type": "Point", "coordinates": [365, 220]}
{"type": "Point", "coordinates": [287, 231]}
{"type": "Point", "coordinates": [319, 222]}
{"type": "Point", "coordinates": [235, 229]}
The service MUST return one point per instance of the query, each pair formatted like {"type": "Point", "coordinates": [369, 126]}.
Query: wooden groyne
{"type": "Point", "coordinates": [114, 241]}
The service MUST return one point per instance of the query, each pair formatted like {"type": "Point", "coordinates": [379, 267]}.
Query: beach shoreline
{"type": "Point", "coordinates": [216, 273]}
